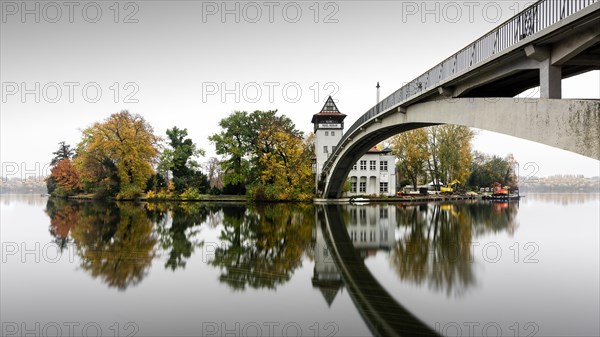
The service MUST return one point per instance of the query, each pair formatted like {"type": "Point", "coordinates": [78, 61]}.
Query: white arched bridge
{"type": "Point", "coordinates": [547, 42]}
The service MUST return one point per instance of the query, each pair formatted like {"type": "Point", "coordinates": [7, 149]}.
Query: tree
{"type": "Point", "coordinates": [123, 145]}
{"type": "Point", "coordinates": [450, 152]}
{"type": "Point", "coordinates": [412, 151]}
{"type": "Point", "coordinates": [242, 148]}
{"type": "Point", "coordinates": [180, 158]}
{"type": "Point", "coordinates": [455, 152]}
{"type": "Point", "coordinates": [486, 170]}
{"type": "Point", "coordinates": [215, 174]}
{"type": "Point", "coordinates": [285, 166]}
{"type": "Point", "coordinates": [65, 177]}
{"type": "Point", "coordinates": [64, 152]}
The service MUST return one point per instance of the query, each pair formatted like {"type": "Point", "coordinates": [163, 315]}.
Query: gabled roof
{"type": "Point", "coordinates": [374, 149]}
{"type": "Point", "coordinates": [329, 110]}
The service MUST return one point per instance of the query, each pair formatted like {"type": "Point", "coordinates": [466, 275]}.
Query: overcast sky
{"type": "Point", "coordinates": [190, 64]}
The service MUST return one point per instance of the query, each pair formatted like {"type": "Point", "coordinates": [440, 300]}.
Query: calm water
{"type": "Point", "coordinates": [465, 268]}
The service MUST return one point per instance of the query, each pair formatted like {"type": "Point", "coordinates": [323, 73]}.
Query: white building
{"type": "Point", "coordinates": [373, 174]}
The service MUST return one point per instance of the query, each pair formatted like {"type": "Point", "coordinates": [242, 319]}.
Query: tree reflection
{"type": "Point", "coordinates": [115, 244]}
{"type": "Point", "coordinates": [435, 246]}
{"type": "Point", "coordinates": [179, 237]}
{"type": "Point", "coordinates": [262, 247]}
{"type": "Point", "coordinates": [64, 216]}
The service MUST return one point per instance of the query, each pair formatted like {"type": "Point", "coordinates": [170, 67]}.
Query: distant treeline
{"type": "Point", "coordinates": [556, 188]}
{"type": "Point", "coordinates": [18, 186]}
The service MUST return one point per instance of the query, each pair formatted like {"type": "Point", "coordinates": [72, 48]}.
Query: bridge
{"type": "Point", "coordinates": [549, 41]}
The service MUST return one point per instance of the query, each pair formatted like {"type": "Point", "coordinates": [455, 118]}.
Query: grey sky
{"type": "Point", "coordinates": [173, 60]}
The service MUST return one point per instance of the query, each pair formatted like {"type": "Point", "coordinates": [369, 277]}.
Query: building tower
{"type": "Point", "coordinates": [329, 125]}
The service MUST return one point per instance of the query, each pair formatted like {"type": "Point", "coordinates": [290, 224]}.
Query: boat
{"type": "Point", "coordinates": [359, 201]}
{"type": "Point", "coordinates": [501, 197]}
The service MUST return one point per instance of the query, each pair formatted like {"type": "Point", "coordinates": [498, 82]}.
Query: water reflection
{"type": "Point", "coordinates": [380, 311]}
{"type": "Point", "coordinates": [562, 198]}
{"type": "Point", "coordinates": [178, 228]}
{"type": "Point", "coordinates": [259, 246]}
{"type": "Point", "coordinates": [64, 216]}
{"type": "Point", "coordinates": [262, 246]}
{"type": "Point", "coordinates": [434, 245]}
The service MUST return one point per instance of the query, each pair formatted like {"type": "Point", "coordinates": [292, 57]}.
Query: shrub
{"type": "Point", "coordinates": [129, 192]}
{"type": "Point", "coordinates": [191, 193]}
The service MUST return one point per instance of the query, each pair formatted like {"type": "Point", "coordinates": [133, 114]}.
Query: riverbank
{"type": "Point", "coordinates": [401, 199]}
{"type": "Point", "coordinates": [202, 198]}
{"type": "Point", "coordinates": [244, 199]}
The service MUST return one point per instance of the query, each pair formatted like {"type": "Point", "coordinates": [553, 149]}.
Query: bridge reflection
{"type": "Point", "coordinates": [427, 244]}
{"type": "Point", "coordinates": [384, 315]}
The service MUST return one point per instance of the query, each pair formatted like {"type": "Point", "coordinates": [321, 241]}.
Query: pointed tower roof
{"type": "Point", "coordinates": [329, 110]}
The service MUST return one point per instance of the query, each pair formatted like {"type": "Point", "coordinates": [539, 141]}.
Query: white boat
{"type": "Point", "coordinates": [359, 201]}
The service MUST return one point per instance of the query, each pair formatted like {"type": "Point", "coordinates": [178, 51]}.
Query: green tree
{"type": "Point", "coordinates": [180, 160]}
{"type": "Point", "coordinates": [64, 152]}
{"type": "Point", "coordinates": [242, 148]}
{"type": "Point", "coordinates": [486, 170]}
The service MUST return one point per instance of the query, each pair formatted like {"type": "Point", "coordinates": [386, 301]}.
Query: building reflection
{"type": "Point", "coordinates": [426, 244]}
{"type": "Point", "coordinates": [326, 276]}
{"type": "Point", "coordinates": [371, 228]}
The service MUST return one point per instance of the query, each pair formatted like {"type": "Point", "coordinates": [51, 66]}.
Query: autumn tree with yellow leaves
{"type": "Point", "coordinates": [117, 155]}
{"type": "Point", "coordinates": [412, 151]}
{"type": "Point", "coordinates": [440, 153]}
{"type": "Point", "coordinates": [285, 166]}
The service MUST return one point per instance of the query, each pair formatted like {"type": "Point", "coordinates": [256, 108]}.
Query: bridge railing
{"type": "Point", "coordinates": [531, 20]}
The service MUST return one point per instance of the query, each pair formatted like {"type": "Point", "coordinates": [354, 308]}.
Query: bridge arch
{"type": "Point", "coordinates": [571, 125]}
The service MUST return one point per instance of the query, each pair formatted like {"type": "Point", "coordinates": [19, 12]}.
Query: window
{"type": "Point", "coordinates": [383, 165]}
{"type": "Point", "coordinates": [383, 187]}
{"type": "Point", "coordinates": [353, 185]}
{"type": "Point", "coordinates": [373, 165]}
{"type": "Point", "coordinates": [363, 165]}
{"type": "Point", "coordinates": [363, 187]}
{"type": "Point", "coordinates": [325, 149]}
{"type": "Point", "coordinates": [333, 133]}
{"type": "Point", "coordinates": [354, 167]}
{"type": "Point", "coordinates": [333, 149]}
{"type": "Point", "coordinates": [326, 133]}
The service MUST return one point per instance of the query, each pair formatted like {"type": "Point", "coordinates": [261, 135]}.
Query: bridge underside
{"type": "Point", "coordinates": [572, 125]}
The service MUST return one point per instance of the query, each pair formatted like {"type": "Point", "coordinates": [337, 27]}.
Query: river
{"type": "Point", "coordinates": [526, 268]}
